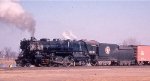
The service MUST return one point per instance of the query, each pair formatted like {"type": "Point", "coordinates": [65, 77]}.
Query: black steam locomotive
{"type": "Point", "coordinates": [56, 52]}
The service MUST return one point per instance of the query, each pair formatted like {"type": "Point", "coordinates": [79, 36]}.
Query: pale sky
{"type": "Point", "coordinates": [104, 21]}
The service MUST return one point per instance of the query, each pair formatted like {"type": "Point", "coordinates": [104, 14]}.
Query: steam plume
{"type": "Point", "coordinates": [72, 35]}
{"type": "Point", "coordinates": [12, 13]}
{"type": "Point", "coordinates": [69, 35]}
{"type": "Point", "coordinates": [66, 35]}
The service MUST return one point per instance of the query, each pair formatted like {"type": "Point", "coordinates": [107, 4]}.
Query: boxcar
{"type": "Point", "coordinates": [143, 54]}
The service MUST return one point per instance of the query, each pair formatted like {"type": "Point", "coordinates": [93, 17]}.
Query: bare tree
{"type": "Point", "coordinates": [131, 41]}
{"type": "Point", "coordinates": [1, 56]}
{"type": "Point", "coordinates": [7, 52]}
{"type": "Point", "coordinates": [13, 55]}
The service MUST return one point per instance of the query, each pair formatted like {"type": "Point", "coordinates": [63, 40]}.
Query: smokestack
{"type": "Point", "coordinates": [12, 13]}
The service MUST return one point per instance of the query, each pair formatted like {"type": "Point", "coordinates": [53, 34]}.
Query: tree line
{"type": "Point", "coordinates": [8, 54]}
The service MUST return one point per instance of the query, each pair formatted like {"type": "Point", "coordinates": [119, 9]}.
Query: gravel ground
{"type": "Point", "coordinates": [100, 73]}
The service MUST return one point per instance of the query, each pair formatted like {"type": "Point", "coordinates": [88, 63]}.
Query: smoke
{"type": "Point", "coordinates": [72, 35]}
{"type": "Point", "coordinates": [66, 35]}
{"type": "Point", "coordinates": [12, 13]}
{"type": "Point", "coordinates": [69, 35]}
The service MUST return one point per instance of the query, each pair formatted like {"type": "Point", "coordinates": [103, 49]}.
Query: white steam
{"type": "Point", "coordinates": [69, 35]}
{"type": "Point", "coordinates": [12, 13]}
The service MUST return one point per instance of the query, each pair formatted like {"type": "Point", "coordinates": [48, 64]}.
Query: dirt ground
{"type": "Point", "coordinates": [109, 73]}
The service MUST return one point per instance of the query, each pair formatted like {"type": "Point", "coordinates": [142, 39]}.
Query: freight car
{"type": "Point", "coordinates": [142, 53]}
{"type": "Point", "coordinates": [56, 52]}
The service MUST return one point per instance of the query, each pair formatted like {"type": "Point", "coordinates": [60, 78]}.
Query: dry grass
{"type": "Point", "coordinates": [7, 62]}
{"type": "Point", "coordinates": [80, 74]}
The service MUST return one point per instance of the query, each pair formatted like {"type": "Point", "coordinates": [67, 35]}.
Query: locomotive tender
{"type": "Point", "coordinates": [56, 52]}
